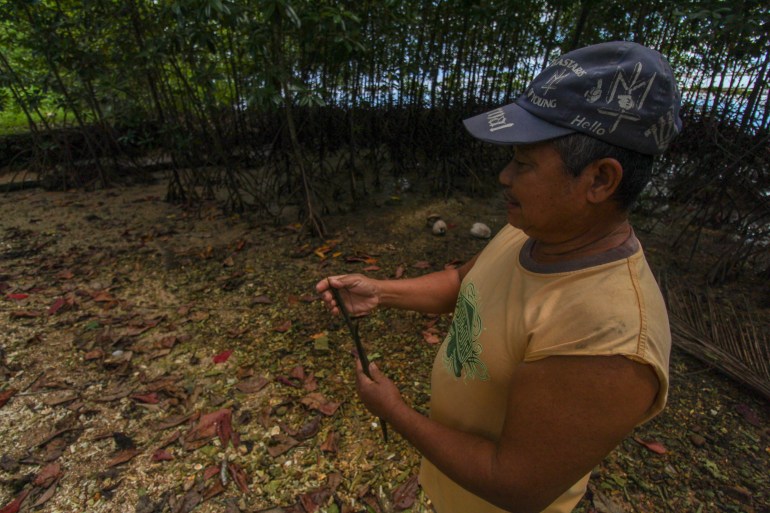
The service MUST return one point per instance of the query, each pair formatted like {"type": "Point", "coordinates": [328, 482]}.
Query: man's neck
{"type": "Point", "coordinates": [589, 243]}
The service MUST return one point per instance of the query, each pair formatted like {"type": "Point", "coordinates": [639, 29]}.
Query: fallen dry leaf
{"type": "Point", "coordinates": [150, 398]}
{"type": "Point", "coordinates": [312, 501]}
{"type": "Point", "coordinates": [749, 415]}
{"type": "Point", "coordinates": [239, 476]}
{"type": "Point", "coordinates": [166, 383]}
{"type": "Point", "coordinates": [56, 306]}
{"type": "Point", "coordinates": [280, 444]}
{"type": "Point", "coordinates": [14, 505]}
{"type": "Point", "coordinates": [213, 490]}
{"type": "Point", "coordinates": [47, 475]}
{"type": "Point", "coordinates": [211, 424]}
{"type": "Point", "coordinates": [189, 501]}
{"type": "Point", "coordinates": [298, 372]}
{"type": "Point", "coordinates": [310, 384]}
{"type": "Point", "coordinates": [118, 391]}
{"type": "Point", "coordinates": [252, 385]}
{"type": "Point", "coordinates": [652, 445]}
{"type": "Point", "coordinates": [94, 354]}
{"type": "Point", "coordinates": [162, 455]}
{"type": "Point", "coordinates": [331, 443]}
{"type": "Point", "coordinates": [453, 264]}
{"type": "Point", "coordinates": [61, 397]}
{"type": "Point", "coordinates": [361, 258]}
{"type": "Point", "coordinates": [223, 356]}
{"type": "Point", "coordinates": [169, 440]}
{"type": "Point", "coordinates": [283, 327]}
{"type": "Point", "coordinates": [430, 337]}
{"type": "Point", "coordinates": [102, 296]}
{"type": "Point", "coordinates": [172, 421]}
{"type": "Point", "coordinates": [317, 401]}
{"type": "Point", "coordinates": [6, 395]}
{"type": "Point", "coordinates": [25, 314]}
{"type": "Point", "coordinates": [405, 495]}
{"type": "Point", "coordinates": [372, 503]}
{"type": "Point", "coordinates": [53, 450]}
{"type": "Point", "coordinates": [288, 381]}
{"type": "Point", "coordinates": [211, 471]}
{"type": "Point", "coordinates": [199, 316]}
{"type": "Point", "coordinates": [122, 457]}
{"type": "Point", "coordinates": [46, 495]}
{"type": "Point", "coordinates": [309, 429]}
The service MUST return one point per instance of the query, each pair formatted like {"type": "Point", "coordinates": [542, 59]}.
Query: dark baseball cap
{"type": "Point", "coordinates": [619, 92]}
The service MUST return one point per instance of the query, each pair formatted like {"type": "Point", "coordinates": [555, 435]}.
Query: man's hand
{"type": "Point", "coordinates": [379, 394]}
{"type": "Point", "coordinates": [360, 294]}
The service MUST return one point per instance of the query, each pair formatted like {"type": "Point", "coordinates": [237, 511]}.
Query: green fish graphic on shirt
{"type": "Point", "coordinates": [462, 347]}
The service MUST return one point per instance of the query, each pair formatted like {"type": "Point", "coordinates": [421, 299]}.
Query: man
{"type": "Point", "coordinates": [560, 341]}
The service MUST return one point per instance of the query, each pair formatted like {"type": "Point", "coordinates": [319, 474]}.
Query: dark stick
{"type": "Point", "coordinates": [353, 327]}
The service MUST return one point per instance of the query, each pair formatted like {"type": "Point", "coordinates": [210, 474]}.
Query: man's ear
{"type": "Point", "coordinates": [605, 175]}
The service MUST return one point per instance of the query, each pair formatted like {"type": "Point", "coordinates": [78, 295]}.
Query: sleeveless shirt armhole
{"type": "Point", "coordinates": [641, 346]}
{"type": "Point", "coordinates": [662, 396]}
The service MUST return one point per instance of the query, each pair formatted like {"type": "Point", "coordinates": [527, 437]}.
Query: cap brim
{"type": "Point", "coordinates": [512, 124]}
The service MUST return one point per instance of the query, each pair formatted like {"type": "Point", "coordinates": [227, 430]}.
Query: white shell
{"type": "Point", "coordinates": [439, 227]}
{"type": "Point", "coordinates": [481, 231]}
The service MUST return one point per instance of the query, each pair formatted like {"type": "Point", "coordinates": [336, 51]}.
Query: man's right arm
{"type": "Point", "coordinates": [431, 293]}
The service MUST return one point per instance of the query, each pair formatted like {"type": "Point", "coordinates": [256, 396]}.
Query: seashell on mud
{"type": "Point", "coordinates": [439, 228]}
{"type": "Point", "coordinates": [481, 231]}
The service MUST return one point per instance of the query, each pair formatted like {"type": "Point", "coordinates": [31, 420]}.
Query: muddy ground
{"type": "Point", "coordinates": [156, 359]}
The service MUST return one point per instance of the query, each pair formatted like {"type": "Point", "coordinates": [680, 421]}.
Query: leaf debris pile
{"type": "Point", "coordinates": [162, 360]}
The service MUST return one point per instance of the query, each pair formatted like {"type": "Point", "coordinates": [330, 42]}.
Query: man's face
{"type": "Point", "coordinates": [542, 198]}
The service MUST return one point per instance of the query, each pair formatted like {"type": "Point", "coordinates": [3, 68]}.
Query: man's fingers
{"type": "Point", "coordinates": [359, 365]}
{"type": "Point", "coordinates": [335, 281]}
{"type": "Point", "coordinates": [360, 370]}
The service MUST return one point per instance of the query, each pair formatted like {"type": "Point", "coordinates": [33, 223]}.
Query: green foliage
{"type": "Point", "coordinates": [12, 121]}
{"type": "Point", "coordinates": [222, 87]}
{"type": "Point", "coordinates": [127, 62]}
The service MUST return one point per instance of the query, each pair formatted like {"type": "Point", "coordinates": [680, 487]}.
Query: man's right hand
{"type": "Point", "coordinates": [360, 293]}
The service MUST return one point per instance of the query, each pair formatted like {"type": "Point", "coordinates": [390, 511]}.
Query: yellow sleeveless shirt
{"type": "Point", "coordinates": [512, 310]}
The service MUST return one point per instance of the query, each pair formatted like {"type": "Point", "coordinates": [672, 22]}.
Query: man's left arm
{"type": "Point", "coordinates": [564, 415]}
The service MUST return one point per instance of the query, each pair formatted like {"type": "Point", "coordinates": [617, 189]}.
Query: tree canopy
{"type": "Point", "coordinates": [264, 103]}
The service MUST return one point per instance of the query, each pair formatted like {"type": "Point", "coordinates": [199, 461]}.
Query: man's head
{"type": "Point", "coordinates": [617, 100]}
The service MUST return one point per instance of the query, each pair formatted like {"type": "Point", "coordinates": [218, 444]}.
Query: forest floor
{"type": "Point", "coordinates": [157, 359]}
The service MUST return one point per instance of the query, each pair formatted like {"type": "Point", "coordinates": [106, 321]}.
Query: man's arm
{"type": "Point", "coordinates": [431, 293]}
{"type": "Point", "coordinates": [564, 415]}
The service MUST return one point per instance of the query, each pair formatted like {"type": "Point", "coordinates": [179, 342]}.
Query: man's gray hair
{"type": "Point", "coordinates": [578, 150]}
